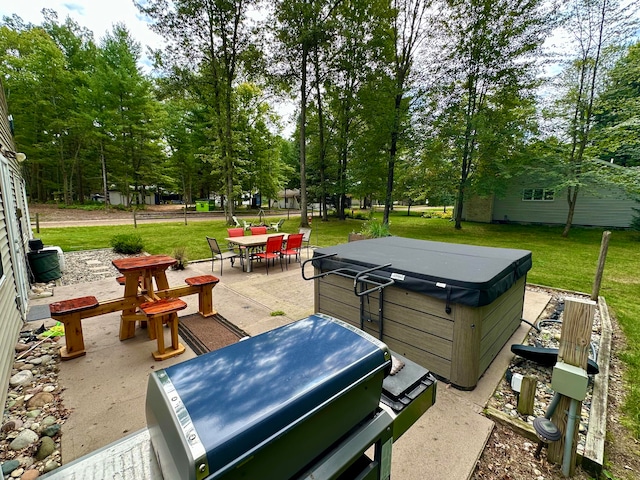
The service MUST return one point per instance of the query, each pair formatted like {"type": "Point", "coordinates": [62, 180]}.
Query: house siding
{"type": "Point", "coordinates": [14, 231]}
{"type": "Point", "coordinates": [603, 209]}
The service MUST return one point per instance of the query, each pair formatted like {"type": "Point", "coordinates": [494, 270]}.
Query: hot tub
{"type": "Point", "coordinates": [450, 307]}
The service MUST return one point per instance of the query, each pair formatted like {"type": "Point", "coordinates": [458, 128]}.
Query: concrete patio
{"type": "Point", "coordinates": [105, 390]}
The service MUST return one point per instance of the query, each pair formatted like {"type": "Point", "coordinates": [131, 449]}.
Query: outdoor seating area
{"type": "Point", "coordinates": [257, 244]}
{"type": "Point", "coordinates": [147, 298]}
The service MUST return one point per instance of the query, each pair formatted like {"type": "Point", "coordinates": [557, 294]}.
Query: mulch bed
{"type": "Point", "coordinates": [205, 334]}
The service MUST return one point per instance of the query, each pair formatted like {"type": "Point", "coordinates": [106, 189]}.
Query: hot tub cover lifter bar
{"type": "Point", "coordinates": [361, 278]}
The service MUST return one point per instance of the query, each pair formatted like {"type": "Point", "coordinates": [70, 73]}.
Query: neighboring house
{"type": "Point", "coordinates": [289, 198]}
{"type": "Point", "coordinates": [135, 198]}
{"type": "Point", "coordinates": [15, 232]}
{"type": "Point", "coordinates": [610, 208]}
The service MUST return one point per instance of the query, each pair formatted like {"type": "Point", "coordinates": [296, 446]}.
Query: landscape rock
{"type": "Point", "coordinates": [22, 378]}
{"type": "Point", "coordinates": [51, 430]}
{"type": "Point", "coordinates": [30, 474]}
{"type": "Point", "coordinates": [47, 447]}
{"type": "Point", "coordinates": [9, 466]}
{"type": "Point", "coordinates": [40, 400]}
{"type": "Point", "coordinates": [25, 438]}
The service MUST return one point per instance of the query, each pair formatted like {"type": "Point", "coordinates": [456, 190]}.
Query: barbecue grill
{"type": "Point", "coordinates": [306, 400]}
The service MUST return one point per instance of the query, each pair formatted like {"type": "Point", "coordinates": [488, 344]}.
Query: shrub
{"type": "Point", "coordinates": [374, 228]}
{"type": "Point", "coordinates": [180, 254]}
{"type": "Point", "coordinates": [127, 243]}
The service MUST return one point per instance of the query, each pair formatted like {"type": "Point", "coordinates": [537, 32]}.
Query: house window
{"type": "Point", "coordinates": [538, 195]}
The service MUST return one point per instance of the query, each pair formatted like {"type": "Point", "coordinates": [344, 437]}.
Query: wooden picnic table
{"type": "Point", "coordinates": [140, 273]}
{"type": "Point", "coordinates": [145, 280]}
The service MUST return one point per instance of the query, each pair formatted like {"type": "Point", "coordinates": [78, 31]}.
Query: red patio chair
{"type": "Point", "coordinates": [258, 230]}
{"type": "Point", "coordinates": [292, 249]}
{"type": "Point", "coordinates": [236, 232]}
{"type": "Point", "coordinates": [272, 250]}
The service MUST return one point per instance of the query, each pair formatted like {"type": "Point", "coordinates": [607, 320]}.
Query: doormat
{"type": "Point", "coordinates": [38, 312]}
{"type": "Point", "coordinates": [205, 334]}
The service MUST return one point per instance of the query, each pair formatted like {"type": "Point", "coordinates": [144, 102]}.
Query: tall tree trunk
{"type": "Point", "coordinates": [323, 185]}
{"type": "Point", "coordinates": [395, 132]}
{"type": "Point", "coordinates": [303, 134]}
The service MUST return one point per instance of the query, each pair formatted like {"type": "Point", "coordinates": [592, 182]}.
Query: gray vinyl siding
{"type": "Point", "coordinates": [607, 209]}
{"type": "Point", "coordinates": [11, 186]}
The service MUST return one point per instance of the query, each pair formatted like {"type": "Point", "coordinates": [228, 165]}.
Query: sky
{"type": "Point", "coordinates": [98, 16]}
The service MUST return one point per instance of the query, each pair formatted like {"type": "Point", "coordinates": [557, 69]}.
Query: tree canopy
{"type": "Point", "coordinates": [405, 101]}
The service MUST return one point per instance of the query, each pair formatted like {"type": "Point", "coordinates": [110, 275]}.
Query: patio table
{"type": "Point", "coordinates": [252, 241]}
{"type": "Point", "coordinates": [140, 273]}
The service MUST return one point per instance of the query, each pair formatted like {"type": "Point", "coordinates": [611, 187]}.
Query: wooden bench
{"type": "Point", "coordinates": [158, 313]}
{"type": "Point", "coordinates": [204, 284]}
{"type": "Point", "coordinates": [70, 313]}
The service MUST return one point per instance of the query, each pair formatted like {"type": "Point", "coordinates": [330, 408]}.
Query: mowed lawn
{"type": "Point", "coordinates": [564, 263]}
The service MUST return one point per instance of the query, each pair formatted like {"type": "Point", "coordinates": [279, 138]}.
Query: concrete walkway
{"type": "Point", "coordinates": [105, 390]}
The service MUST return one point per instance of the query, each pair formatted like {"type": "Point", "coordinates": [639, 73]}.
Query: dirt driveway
{"type": "Point", "coordinates": [52, 216]}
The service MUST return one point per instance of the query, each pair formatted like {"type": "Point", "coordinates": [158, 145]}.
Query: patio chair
{"type": "Point", "coordinates": [217, 254]}
{"type": "Point", "coordinates": [306, 232]}
{"type": "Point", "coordinates": [292, 249]}
{"type": "Point", "coordinates": [235, 221]}
{"type": "Point", "coordinates": [272, 250]}
{"type": "Point", "coordinates": [236, 232]}
{"type": "Point", "coordinates": [258, 230]}
{"type": "Point", "coordinates": [246, 225]}
{"type": "Point", "coordinates": [277, 226]}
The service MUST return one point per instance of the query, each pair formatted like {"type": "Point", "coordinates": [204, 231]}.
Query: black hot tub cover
{"type": "Point", "coordinates": [456, 273]}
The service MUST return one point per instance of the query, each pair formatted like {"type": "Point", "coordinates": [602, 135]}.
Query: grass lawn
{"type": "Point", "coordinates": [565, 263]}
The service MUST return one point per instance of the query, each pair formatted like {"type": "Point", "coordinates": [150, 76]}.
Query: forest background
{"type": "Point", "coordinates": [401, 100]}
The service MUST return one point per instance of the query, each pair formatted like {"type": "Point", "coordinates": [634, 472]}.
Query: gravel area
{"type": "Point", "coordinates": [89, 266]}
{"type": "Point", "coordinates": [506, 399]}
{"type": "Point", "coordinates": [34, 415]}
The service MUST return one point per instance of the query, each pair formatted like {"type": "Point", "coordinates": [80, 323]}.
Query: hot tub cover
{"type": "Point", "coordinates": [456, 273]}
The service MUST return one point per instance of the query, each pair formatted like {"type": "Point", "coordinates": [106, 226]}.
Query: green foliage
{"type": "Point", "coordinates": [277, 313]}
{"type": "Point", "coordinates": [180, 254]}
{"type": "Point", "coordinates": [438, 214]}
{"type": "Point", "coordinates": [88, 206]}
{"type": "Point", "coordinates": [127, 243]}
{"type": "Point", "coordinates": [375, 228]}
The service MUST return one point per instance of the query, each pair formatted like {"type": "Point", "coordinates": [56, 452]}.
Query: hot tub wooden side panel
{"type": "Point", "coordinates": [501, 319]}
{"type": "Point", "coordinates": [410, 326]}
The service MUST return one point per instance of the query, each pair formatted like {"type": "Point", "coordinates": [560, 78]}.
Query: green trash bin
{"type": "Point", "coordinates": [205, 205]}
{"type": "Point", "coordinates": [45, 265]}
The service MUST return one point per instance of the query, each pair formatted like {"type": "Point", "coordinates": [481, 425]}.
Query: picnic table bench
{"type": "Point", "coordinates": [139, 291]}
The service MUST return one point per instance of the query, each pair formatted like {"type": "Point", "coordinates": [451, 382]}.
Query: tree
{"type": "Point", "coordinates": [486, 100]}
{"type": "Point", "coordinates": [409, 32]}
{"type": "Point", "coordinates": [596, 28]}
{"type": "Point", "coordinates": [208, 43]}
{"type": "Point", "coordinates": [46, 71]}
{"type": "Point", "coordinates": [617, 114]}
{"type": "Point", "coordinates": [127, 116]}
{"type": "Point", "coordinates": [301, 31]}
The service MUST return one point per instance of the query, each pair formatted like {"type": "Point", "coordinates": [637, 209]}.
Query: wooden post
{"type": "Point", "coordinates": [604, 246]}
{"type": "Point", "coordinates": [575, 342]}
{"type": "Point", "coordinates": [135, 223]}
{"type": "Point", "coordinates": [37, 223]}
{"type": "Point", "coordinates": [527, 396]}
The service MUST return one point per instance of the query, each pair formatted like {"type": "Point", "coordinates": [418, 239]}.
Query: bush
{"type": "Point", "coordinates": [127, 243]}
{"type": "Point", "coordinates": [374, 228]}
{"type": "Point", "coordinates": [180, 254]}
